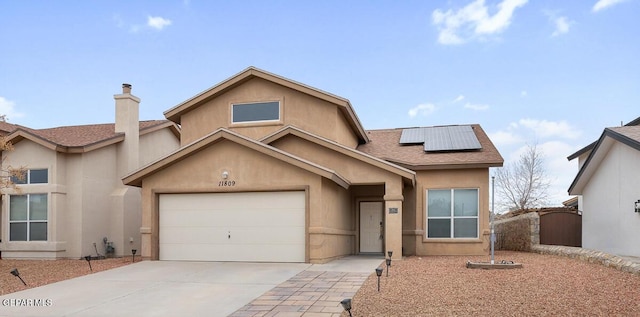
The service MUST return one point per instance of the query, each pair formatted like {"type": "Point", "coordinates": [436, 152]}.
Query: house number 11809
{"type": "Point", "coordinates": [227, 183]}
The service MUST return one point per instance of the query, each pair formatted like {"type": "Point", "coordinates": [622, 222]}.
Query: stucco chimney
{"type": "Point", "coordinates": [127, 122]}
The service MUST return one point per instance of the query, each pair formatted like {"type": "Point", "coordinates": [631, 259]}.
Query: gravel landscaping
{"type": "Point", "coordinates": [41, 272]}
{"type": "Point", "coordinates": [547, 285]}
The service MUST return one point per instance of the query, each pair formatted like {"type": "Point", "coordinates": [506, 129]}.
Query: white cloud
{"type": "Point", "coordinates": [546, 129]}
{"type": "Point", "coordinates": [562, 26]}
{"type": "Point", "coordinates": [459, 98]}
{"type": "Point", "coordinates": [505, 138]}
{"type": "Point", "coordinates": [158, 23]}
{"type": "Point", "coordinates": [7, 109]}
{"type": "Point", "coordinates": [603, 4]}
{"type": "Point", "coordinates": [473, 20]}
{"type": "Point", "coordinates": [476, 107]}
{"type": "Point", "coordinates": [422, 109]}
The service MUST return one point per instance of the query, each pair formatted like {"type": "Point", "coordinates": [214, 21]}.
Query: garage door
{"type": "Point", "coordinates": [256, 227]}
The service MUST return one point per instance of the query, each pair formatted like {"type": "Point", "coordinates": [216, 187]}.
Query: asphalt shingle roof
{"type": "Point", "coordinates": [385, 144]}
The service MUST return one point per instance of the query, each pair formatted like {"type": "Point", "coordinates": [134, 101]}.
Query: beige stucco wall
{"type": "Point", "coordinates": [251, 171]}
{"type": "Point", "coordinates": [297, 109]}
{"type": "Point", "coordinates": [87, 199]}
{"type": "Point", "coordinates": [33, 156]}
{"type": "Point", "coordinates": [157, 144]}
{"type": "Point", "coordinates": [445, 179]}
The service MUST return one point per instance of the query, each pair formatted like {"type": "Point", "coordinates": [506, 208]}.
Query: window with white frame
{"type": "Point", "coordinates": [255, 112]}
{"type": "Point", "coordinates": [452, 213]}
{"type": "Point", "coordinates": [32, 176]}
{"type": "Point", "coordinates": [28, 217]}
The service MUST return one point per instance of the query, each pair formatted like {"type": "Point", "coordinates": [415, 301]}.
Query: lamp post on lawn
{"type": "Point", "coordinates": [15, 273]}
{"type": "Point", "coordinates": [346, 304]}
{"type": "Point", "coordinates": [88, 258]}
{"type": "Point", "coordinates": [379, 273]}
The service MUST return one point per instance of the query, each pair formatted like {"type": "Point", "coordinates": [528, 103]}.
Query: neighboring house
{"type": "Point", "coordinates": [608, 185]}
{"type": "Point", "coordinates": [73, 196]}
{"type": "Point", "coordinates": [273, 170]}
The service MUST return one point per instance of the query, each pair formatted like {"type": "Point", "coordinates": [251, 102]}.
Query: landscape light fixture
{"type": "Point", "coordinates": [133, 255]}
{"type": "Point", "coordinates": [15, 273]}
{"type": "Point", "coordinates": [346, 304]}
{"type": "Point", "coordinates": [379, 273]}
{"type": "Point", "coordinates": [637, 203]}
{"type": "Point", "coordinates": [88, 258]}
{"type": "Point", "coordinates": [390, 253]}
{"type": "Point", "coordinates": [388, 265]}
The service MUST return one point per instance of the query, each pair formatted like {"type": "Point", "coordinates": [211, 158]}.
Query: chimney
{"type": "Point", "coordinates": [127, 122]}
{"type": "Point", "coordinates": [126, 88]}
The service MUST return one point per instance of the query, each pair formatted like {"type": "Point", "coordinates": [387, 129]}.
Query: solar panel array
{"type": "Point", "coordinates": [448, 138]}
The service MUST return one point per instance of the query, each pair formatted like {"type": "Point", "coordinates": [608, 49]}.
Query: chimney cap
{"type": "Point", "coordinates": [126, 88]}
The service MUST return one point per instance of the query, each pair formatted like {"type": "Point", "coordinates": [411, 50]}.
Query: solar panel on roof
{"type": "Point", "coordinates": [412, 136]}
{"type": "Point", "coordinates": [448, 138]}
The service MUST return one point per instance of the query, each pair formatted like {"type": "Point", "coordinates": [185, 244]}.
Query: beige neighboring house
{"type": "Point", "coordinates": [273, 170]}
{"type": "Point", "coordinates": [73, 196]}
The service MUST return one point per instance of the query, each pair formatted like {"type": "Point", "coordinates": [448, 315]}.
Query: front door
{"type": "Point", "coordinates": [371, 227]}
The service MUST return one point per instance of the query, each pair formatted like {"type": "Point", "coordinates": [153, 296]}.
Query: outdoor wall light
{"type": "Point", "coordinates": [88, 258]}
{"type": "Point", "coordinates": [637, 203]}
{"type": "Point", "coordinates": [225, 175]}
{"type": "Point", "coordinates": [379, 273]}
{"type": "Point", "coordinates": [133, 255]}
{"type": "Point", "coordinates": [15, 273]}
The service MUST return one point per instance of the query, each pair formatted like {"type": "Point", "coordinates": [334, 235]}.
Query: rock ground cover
{"type": "Point", "coordinates": [547, 285]}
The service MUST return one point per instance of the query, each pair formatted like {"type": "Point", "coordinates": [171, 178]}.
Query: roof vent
{"type": "Point", "coordinates": [439, 139]}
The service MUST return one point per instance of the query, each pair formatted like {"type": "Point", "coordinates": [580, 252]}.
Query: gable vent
{"type": "Point", "coordinates": [438, 139]}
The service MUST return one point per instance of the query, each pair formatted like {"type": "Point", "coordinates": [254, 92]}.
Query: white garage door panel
{"type": "Point", "coordinates": [261, 226]}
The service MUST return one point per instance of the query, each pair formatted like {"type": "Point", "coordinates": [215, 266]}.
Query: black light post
{"type": "Point", "coordinates": [15, 273]}
{"type": "Point", "coordinates": [88, 258]}
{"type": "Point", "coordinates": [346, 304]}
{"type": "Point", "coordinates": [390, 253]}
{"type": "Point", "coordinates": [388, 265]}
{"type": "Point", "coordinates": [133, 255]}
{"type": "Point", "coordinates": [379, 273]}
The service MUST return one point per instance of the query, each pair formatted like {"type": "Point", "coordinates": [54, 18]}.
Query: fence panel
{"type": "Point", "coordinates": [561, 228]}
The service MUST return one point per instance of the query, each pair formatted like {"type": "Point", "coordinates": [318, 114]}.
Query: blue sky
{"type": "Point", "coordinates": [549, 72]}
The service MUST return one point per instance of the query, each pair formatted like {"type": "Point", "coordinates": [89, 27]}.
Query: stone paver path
{"type": "Point", "coordinates": [308, 294]}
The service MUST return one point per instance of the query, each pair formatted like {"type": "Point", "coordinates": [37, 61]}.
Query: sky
{"type": "Point", "coordinates": [548, 73]}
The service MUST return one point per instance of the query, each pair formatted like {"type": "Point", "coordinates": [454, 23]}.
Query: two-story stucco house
{"type": "Point", "coordinates": [72, 197]}
{"type": "Point", "coordinates": [608, 189]}
{"type": "Point", "coordinates": [270, 169]}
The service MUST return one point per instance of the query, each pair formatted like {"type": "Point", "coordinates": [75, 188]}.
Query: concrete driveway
{"type": "Point", "coordinates": [167, 288]}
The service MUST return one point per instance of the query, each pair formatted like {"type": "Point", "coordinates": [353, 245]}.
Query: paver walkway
{"type": "Point", "coordinates": [308, 294]}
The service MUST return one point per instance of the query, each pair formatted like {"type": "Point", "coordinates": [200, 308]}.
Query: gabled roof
{"type": "Point", "coordinates": [136, 177]}
{"type": "Point", "coordinates": [361, 156]}
{"type": "Point", "coordinates": [628, 135]}
{"type": "Point", "coordinates": [82, 138]}
{"type": "Point", "coordinates": [385, 144]}
{"type": "Point", "coordinates": [343, 104]}
{"type": "Point", "coordinates": [634, 122]}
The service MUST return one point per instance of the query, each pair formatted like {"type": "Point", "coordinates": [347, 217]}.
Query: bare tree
{"type": "Point", "coordinates": [523, 184]}
{"type": "Point", "coordinates": [9, 173]}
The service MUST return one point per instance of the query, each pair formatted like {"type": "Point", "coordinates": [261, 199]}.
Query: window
{"type": "Point", "coordinates": [452, 220]}
{"type": "Point", "coordinates": [28, 217]}
{"type": "Point", "coordinates": [35, 176]}
{"type": "Point", "coordinates": [255, 112]}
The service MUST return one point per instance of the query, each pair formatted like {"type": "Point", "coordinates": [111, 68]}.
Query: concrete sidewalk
{"type": "Point", "coordinates": [167, 288]}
